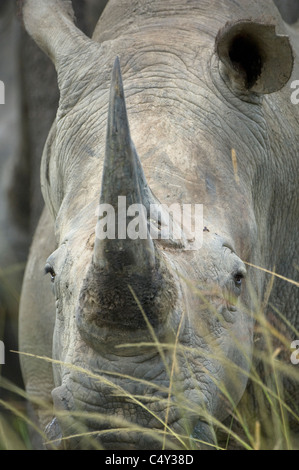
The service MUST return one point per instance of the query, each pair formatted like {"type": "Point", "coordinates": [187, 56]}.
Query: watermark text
{"type": "Point", "coordinates": [295, 354]}
{"type": "Point", "coordinates": [176, 222]}
{"type": "Point", "coordinates": [2, 92]}
{"type": "Point", "coordinates": [2, 353]}
{"type": "Point", "coordinates": [295, 94]}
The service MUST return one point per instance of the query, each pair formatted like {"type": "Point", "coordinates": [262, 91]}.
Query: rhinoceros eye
{"type": "Point", "coordinates": [50, 270]}
{"type": "Point", "coordinates": [238, 278]}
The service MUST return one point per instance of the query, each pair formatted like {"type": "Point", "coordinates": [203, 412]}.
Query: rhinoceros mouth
{"type": "Point", "coordinates": [108, 439]}
{"type": "Point", "coordinates": [118, 422]}
{"type": "Point", "coordinates": [126, 439]}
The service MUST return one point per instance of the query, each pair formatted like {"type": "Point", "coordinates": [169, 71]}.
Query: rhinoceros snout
{"type": "Point", "coordinates": [129, 304]}
{"type": "Point", "coordinates": [128, 286]}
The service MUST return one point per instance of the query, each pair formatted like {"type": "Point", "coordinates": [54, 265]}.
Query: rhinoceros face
{"type": "Point", "coordinates": [155, 333]}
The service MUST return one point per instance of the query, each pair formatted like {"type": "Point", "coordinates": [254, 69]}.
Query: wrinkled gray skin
{"type": "Point", "coordinates": [188, 107]}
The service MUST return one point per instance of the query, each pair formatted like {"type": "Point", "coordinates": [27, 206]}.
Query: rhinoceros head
{"type": "Point", "coordinates": [155, 332]}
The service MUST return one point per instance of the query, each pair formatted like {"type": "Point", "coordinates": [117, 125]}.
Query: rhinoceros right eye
{"type": "Point", "coordinates": [238, 279]}
{"type": "Point", "coordinates": [50, 270]}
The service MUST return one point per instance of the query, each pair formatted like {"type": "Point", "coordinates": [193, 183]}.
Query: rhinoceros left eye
{"type": "Point", "coordinates": [50, 270]}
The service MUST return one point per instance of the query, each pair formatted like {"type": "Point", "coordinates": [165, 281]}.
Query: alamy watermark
{"type": "Point", "coordinates": [2, 92]}
{"type": "Point", "coordinates": [295, 354]}
{"type": "Point", "coordinates": [295, 94]}
{"type": "Point", "coordinates": [2, 353]}
{"type": "Point", "coordinates": [177, 223]}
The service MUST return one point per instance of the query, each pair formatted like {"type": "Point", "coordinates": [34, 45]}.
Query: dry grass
{"type": "Point", "coordinates": [262, 420]}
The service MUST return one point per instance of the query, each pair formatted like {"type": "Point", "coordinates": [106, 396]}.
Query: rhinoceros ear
{"type": "Point", "coordinates": [253, 58]}
{"type": "Point", "coordinates": [51, 24]}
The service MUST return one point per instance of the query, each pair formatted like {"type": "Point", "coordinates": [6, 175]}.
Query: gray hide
{"type": "Point", "coordinates": [208, 99]}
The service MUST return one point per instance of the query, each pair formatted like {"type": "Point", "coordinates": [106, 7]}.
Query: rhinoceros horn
{"type": "Point", "coordinates": [123, 187]}
{"type": "Point", "coordinates": [127, 275]}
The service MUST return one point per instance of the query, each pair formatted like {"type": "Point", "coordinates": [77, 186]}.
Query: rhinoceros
{"type": "Point", "coordinates": [147, 342]}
